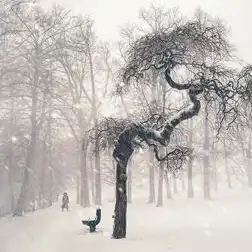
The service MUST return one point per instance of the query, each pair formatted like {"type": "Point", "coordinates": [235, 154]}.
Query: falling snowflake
{"type": "Point", "coordinates": [6, 167]}
{"type": "Point", "coordinates": [13, 139]}
{"type": "Point", "coordinates": [120, 189]}
{"type": "Point", "coordinates": [77, 106]}
{"type": "Point", "coordinates": [27, 136]}
{"type": "Point", "coordinates": [54, 115]}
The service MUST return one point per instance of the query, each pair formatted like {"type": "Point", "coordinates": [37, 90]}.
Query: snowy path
{"type": "Point", "coordinates": [181, 226]}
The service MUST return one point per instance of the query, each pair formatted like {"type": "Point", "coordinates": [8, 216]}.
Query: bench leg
{"type": "Point", "coordinates": [92, 229]}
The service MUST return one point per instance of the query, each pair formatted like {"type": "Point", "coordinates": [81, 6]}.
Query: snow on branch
{"type": "Point", "coordinates": [190, 45]}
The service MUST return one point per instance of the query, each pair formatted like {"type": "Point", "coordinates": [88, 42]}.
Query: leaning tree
{"type": "Point", "coordinates": [196, 52]}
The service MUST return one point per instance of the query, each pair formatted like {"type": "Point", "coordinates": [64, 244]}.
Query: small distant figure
{"type": "Point", "coordinates": [65, 202]}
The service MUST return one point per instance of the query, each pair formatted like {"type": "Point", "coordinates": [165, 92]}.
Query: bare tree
{"type": "Point", "coordinates": [188, 45]}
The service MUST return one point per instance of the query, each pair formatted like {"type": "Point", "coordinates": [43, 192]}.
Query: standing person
{"type": "Point", "coordinates": [65, 201]}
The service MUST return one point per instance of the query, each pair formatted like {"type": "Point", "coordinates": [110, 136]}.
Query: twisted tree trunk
{"type": "Point", "coordinates": [124, 149]}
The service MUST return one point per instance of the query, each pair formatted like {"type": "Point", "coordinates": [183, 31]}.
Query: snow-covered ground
{"type": "Point", "coordinates": [221, 225]}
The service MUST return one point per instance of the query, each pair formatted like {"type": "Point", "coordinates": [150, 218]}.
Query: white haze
{"type": "Point", "coordinates": [222, 224]}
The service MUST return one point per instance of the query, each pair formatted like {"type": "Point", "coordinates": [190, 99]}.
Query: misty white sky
{"type": "Point", "coordinates": [110, 14]}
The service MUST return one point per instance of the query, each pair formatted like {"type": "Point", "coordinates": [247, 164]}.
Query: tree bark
{"type": "Point", "coordinates": [120, 211]}
{"type": "Point", "coordinates": [26, 185]}
{"type": "Point", "coordinates": [124, 148]}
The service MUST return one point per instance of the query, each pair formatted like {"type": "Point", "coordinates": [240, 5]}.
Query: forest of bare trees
{"type": "Point", "coordinates": [66, 97]}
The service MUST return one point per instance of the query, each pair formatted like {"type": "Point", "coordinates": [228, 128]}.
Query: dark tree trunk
{"type": "Point", "coordinates": [124, 149]}
{"type": "Point", "coordinates": [114, 169]}
{"type": "Point", "coordinates": [121, 201]}
{"type": "Point", "coordinates": [122, 153]}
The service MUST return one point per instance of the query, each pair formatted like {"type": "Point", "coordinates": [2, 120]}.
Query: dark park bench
{"type": "Point", "coordinates": [93, 223]}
